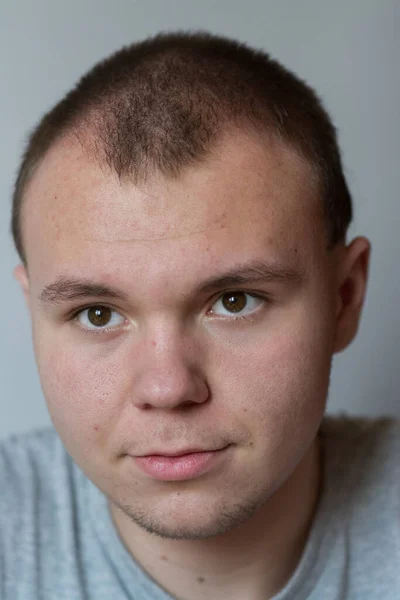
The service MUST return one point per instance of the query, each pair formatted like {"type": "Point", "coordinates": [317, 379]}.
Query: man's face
{"type": "Point", "coordinates": [169, 365]}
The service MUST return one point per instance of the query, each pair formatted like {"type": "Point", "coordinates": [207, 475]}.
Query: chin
{"type": "Point", "coordinates": [196, 520]}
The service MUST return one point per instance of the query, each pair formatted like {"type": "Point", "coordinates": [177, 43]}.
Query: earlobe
{"type": "Point", "coordinates": [21, 275]}
{"type": "Point", "coordinates": [351, 290]}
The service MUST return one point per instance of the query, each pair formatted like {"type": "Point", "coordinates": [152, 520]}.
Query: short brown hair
{"type": "Point", "coordinates": [161, 103]}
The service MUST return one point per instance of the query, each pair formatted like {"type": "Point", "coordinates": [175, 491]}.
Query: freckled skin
{"type": "Point", "coordinates": [174, 376]}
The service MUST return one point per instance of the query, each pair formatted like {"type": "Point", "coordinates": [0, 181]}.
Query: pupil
{"type": "Point", "coordinates": [99, 316]}
{"type": "Point", "coordinates": [234, 302]}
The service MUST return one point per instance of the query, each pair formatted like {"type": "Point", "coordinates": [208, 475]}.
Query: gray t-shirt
{"type": "Point", "coordinates": [57, 540]}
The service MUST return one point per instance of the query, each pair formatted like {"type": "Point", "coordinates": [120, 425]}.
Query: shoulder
{"type": "Point", "coordinates": [28, 460]}
{"type": "Point", "coordinates": [362, 454]}
{"type": "Point", "coordinates": [345, 425]}
{"type": "Point", "coordinates": [38, 497]}
{"type": "Point", "coordinates": [37, 480]}
{"type": "Point", "coordinates": [370, 437]}
{"type": "Point", "coordinates": [379, 434]}
{"type": "Point", "coordinates": [34, 443]}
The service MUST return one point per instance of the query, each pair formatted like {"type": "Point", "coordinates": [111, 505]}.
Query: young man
{"type": "Point", "coordinates": [181, 219]}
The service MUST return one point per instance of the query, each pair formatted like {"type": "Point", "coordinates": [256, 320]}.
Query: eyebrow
{"type": "Point", "coordinates": [256, 271]}
{"type": "Point", "coordinates": [65, 289]}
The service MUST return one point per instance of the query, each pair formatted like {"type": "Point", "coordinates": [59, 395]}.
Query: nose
{"type": "Point", "coordinates": [167, 376]}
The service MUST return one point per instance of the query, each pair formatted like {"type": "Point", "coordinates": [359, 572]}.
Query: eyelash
{"type": "Point", "coordinates": [72, 316]}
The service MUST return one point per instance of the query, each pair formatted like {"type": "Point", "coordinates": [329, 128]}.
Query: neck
{"type": "Point", "coordinates": [254, 560]}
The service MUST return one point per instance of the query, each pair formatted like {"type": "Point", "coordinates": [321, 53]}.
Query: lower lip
{"type": "Point", "coordinates": [178, 468]}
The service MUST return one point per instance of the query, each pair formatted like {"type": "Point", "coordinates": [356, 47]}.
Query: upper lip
{"type": "Point", "coordinates": [179, 452]}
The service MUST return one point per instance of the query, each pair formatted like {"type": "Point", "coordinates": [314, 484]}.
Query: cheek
{"type": "Point", "coordinates": [278, 381]}
{"type": "Point", "coordinates": [82, 389]}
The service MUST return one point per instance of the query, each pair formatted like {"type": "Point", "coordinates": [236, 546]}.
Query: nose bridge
{"type": "Point", "coordinates": [167, 374]}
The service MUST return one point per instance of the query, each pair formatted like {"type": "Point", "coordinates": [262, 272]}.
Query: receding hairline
{"type": "Point", "coordinates": [86, 141]}
{"type": "Point", "coordinates": [158, 104]}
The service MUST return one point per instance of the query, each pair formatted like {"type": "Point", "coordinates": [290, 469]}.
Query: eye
{"type": "Point", "coordinates": [99, 317]}
{"type": "Point", "coordinates": [236, 304]}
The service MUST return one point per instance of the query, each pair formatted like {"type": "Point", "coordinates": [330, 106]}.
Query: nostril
{"type": "Point", "coordinates": [187, 404]}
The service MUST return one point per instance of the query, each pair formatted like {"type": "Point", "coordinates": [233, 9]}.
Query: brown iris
{"type": "Point", "coordinates": [99, 315]}
{"type": "Point", "coordinates": [235, 302]}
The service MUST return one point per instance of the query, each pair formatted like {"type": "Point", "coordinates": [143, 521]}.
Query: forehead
{"type": "Point", "coordinates": [246, 192]}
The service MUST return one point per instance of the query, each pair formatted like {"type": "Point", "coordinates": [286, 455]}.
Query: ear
{"type": "Point", "coordinates": [21, 275]}
{"type": "Point", "coordinates": [351, 287]}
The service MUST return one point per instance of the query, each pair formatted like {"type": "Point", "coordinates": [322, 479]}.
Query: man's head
{"type": "Point", "coordinates": [160, 105]}
{"type": "Point", "coordinates": [182, 228]}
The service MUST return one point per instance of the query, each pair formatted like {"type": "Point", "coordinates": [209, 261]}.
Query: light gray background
{"type": "Point", "coordinates": [347, 49]}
